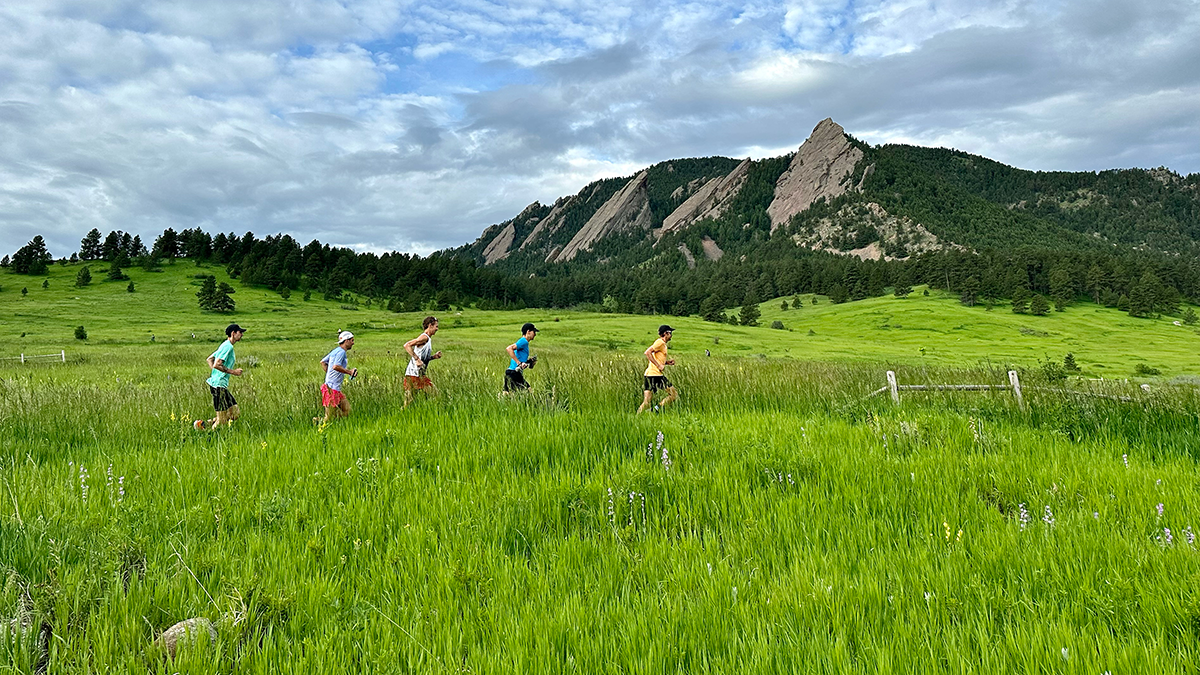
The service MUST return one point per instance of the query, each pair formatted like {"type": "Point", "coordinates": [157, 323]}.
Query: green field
{"type": "Point", "coordinates": [788, 522]}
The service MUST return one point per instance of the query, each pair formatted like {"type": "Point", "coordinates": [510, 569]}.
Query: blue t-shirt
{"type": "Point", "coordinates": [224, 354]}
{"type": "Point", "coordinates": [337, 357]}
{"type": "Point", "coordinates": [521, 349]}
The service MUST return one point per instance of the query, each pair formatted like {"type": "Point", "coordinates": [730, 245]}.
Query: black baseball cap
{"type": "Point", "coordinates": [233, 328]}
{"type": "Point", "coordinates": [529, 327]}
{"type": "Point", "coordinates": [665, 329]}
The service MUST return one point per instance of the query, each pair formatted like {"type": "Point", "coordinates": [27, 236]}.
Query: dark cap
{"type": "Point", "coordinates": [665, 329]}
{"type": "Point", "coordinates": [233, 328]}
{"type": "Point", "coordinates": [529, 327]}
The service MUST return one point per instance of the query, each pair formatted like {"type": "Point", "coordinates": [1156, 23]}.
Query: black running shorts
{"type": "Point", "coordinates": [222, 399]}
{"type": "Point", "coordinates": [514, 380]}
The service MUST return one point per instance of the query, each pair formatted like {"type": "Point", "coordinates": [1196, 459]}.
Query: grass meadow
{"type": "Point", "coordinates": [776, 520]}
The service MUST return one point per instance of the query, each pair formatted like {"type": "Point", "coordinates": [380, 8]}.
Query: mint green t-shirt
{"type": "Point", "coordinates": [224, 354]}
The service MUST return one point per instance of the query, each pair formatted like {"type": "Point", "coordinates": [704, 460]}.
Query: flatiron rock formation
{"type": "Point", "coordinates": [709, 201]}
{"type": "Point", "coordinates": [628, 209]}
{"type": "Point", "coordinates": [820, 168]}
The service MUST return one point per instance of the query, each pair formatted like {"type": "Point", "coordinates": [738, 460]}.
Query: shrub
{"type": "Point", "coordinates": [1189, 317]}
{"type": "Point", "coordinates": [1053, 370]}
{"type": "Point", "coordinates": [1069, 363]}
{"type": "Point", "coordinates": [24, 290]}
{"type": "Point", "coordinates": [285, 292]}
{"type": "Point", "coordinates": [1146, 370]}
{"type": "Point", "coordinates": [80, 333]}
{"type": "Point", "coordinates": [129, 288]}
{"type": "Point", "coordinates": [783, 305]}
{"type": "Point", "coordinates": [777, 324]}
{"type": "Point", "coordinates": [45, 283]}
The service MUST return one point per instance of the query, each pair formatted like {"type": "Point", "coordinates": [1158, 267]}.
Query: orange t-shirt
{"type": "Point", "coordinates": [658, 358]}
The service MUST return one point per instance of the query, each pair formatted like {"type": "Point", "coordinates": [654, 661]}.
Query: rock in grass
{"type": "Point", "coordinates": [184, 633]}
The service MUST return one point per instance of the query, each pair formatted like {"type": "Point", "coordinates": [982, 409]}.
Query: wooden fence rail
{"type": "Point", "coordinates": [61, 356]}
{"type": "Point", "coordinates": [1014, 385]}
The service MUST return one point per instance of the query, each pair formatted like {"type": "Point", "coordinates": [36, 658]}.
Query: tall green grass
{"type": "Point", "coordinates": [795, 525]}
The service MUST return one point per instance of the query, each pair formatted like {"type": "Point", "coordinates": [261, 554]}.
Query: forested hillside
{"type": "Point", "coordinates": [697, 236]}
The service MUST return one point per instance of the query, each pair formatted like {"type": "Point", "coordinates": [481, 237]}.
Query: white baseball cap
{"type": "Point", "coordinates": [344, 335]}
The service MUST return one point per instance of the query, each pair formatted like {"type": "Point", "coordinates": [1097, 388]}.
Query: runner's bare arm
{"type": "Point", "coordinates": [416, 342]}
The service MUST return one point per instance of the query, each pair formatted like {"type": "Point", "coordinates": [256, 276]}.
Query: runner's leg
{"type": "Point", "coordinates": [645, 401]}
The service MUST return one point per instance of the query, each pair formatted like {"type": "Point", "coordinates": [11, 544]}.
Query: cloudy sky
{"type": "Point", "coordinates": [411, 125]}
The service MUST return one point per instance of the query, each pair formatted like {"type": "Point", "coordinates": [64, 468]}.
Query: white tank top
{"type": "Point", "coordinates": [424, 352]}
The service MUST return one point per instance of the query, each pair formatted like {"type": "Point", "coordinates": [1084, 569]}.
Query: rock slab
{"type": "Point", "coordinates": [818, 170]}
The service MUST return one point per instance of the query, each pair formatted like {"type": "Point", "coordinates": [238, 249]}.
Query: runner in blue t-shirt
{"type": "Point", "coordinates": [337, 366]}
{"type": "Point", "coordinates": [518, 360]}
{"type": "Point", "coordinates": [221, 362]}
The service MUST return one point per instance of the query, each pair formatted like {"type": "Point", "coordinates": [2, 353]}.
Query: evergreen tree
{"type": "Point", "coordinates": [5, 262]}
{"type": "Point", "coordinates": [89, 247]}
{"type": "Point", "coordinates": [222, 302]}
{"type": "Point", "coordinates": [1038, 306]}
{"type": "Point", "coordinates": [114, 270]}
{"type": "Point", "coordinates": [1097, 281]}
{"type": "Point", "coordinates": [129, 288]}
{"type": "Point", "coordinates": [74, 258]}
{"type": "Point", "coordinates": [797, 301]}
{"type": "Point", "coordinates": [712, 310]}
{"type": "Point", "coordinates": [207, 294]}
{"type": "Point", "coordinates": [1189, 317]}
{"type": "Point", "coordinates": [32, 258]}
{"type": "Point", "coordinates": [1062, 287]}
{"type": "Point", "coordinates": [970, 291]}
{"type": "Point", "coordinates": [1069, 363]}
{"type": "Point", "coordinates": [112, 246]}
{"type": "Point", "coordinates": [45, 283]}
{"type": "Point", "coordinates": [1143, 295]}
{"type": "Point", "coordinates": [83, 277]}
{"type": "Point", "coordinates": [903, 291]}
{"type": "Point", "coordinates": [750, 314]}
{"type": "Point", "coordinates": [1020, 301]}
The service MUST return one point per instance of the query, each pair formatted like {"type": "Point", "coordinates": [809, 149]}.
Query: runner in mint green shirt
{"type": "Point", "coordinates": [222, 362]}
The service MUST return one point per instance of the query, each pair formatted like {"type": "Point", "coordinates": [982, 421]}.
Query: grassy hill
{"type": "Point", "coordinates": [932, 330]}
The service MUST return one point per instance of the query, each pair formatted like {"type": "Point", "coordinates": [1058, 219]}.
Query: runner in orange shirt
{"type": "Point", "coordinates": [655, 378]}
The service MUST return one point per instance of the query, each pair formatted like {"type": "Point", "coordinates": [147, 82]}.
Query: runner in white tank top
{"type": "Point", "coordinates": [420, 351]}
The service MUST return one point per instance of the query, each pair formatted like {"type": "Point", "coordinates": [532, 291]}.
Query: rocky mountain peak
{"type": "Point", "coordinates": [820, 169]}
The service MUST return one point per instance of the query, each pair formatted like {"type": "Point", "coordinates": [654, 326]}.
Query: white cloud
{"type": "Point", "coordinates": [413, 124]}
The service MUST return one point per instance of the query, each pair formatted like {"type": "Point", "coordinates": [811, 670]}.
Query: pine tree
{"type": "Point", "coordinates": [712, 310]}
{"type": "Point", "coordinates": [749, 314]}
{"type": "Point", "coordinates": [208, 293]}
{"type": "Point", "coordinates": [89, 247]}
{"type": "Point", "coordinates": [83, 277]}
{"type": "Point", "coordinates": [114, 270]}
{"type": "Point", "coordinates": [129, 288]}
{"type": "Point", "coordinates": [903, 291]}
{"type": "Point", "coordinates": [222, 302]}
{"type": "Point", "coordinates": [1020, 301]}
{"type": "Point", "coordinates": [1189, 317]}
{"type": "Point", "coordinates": [1038, 306]}
{"type": "Point", "coordinates": [970, 290]}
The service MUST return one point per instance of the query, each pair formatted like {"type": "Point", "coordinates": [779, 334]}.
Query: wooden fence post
{"type": "Point", "coordinates": [63, 354]}
{"type": "Point", "coordinates": [1016, 388]}
{"type": "Point", "coordinates": [891, 378]}
{"type": "Point", "coordinates": [22, 358]}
